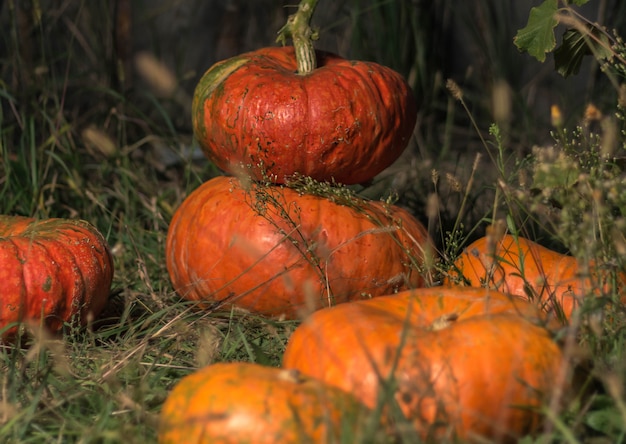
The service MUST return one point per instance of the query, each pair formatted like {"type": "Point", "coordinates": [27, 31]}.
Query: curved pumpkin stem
{"type": "Point", "coordinates": [298, 28]}
{"type": "Point", "coordinates": [444, 321]}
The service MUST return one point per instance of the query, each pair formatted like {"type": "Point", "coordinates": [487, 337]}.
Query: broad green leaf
{"type": "Point", "coordinates": [537, 37]}
{"type": "Point", "coordinates": [575, 46]}
{"type": "Point", "coordinates": [580, 2]}
{"type": "Point", "coordinates": [608, 421]}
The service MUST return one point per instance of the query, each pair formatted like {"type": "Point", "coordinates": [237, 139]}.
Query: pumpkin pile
{"type": "Point", "coordinates": [374, 347]}
{"type": "Point", "coordinates": [249, 241]}
{"type": "Point", "coordinates": [453, 364]}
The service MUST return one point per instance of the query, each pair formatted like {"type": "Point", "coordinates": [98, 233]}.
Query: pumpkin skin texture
{"type": "Point", "coordinates": [275, 252]}
{"type": "Point", "coordinates": [469, 363]}
{"type": "Point", "coordinates": [52, 271]}
{"type": "Point", "coordinates": [524, 268]}
{"type": "Point", "coordinates": [241, 402]}
{"type": "Point", "coordinates": [346, 121]}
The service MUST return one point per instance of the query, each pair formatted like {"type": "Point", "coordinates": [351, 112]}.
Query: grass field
{"type": "Point", "coordinates": [77, 140]}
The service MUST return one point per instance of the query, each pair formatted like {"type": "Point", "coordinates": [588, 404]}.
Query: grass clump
{"type": "Point", "coordinates": [569, 194]}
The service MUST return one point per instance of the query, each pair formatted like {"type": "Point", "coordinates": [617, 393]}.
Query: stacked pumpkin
{"type": "Point", "coordinates": [248, 240]}
{"type": "Point", "coordinates": [453, 362]}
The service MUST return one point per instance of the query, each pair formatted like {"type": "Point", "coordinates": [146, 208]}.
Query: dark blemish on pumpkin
{"type": "Point", "coordinates": [475, 252]}
{"type": "Point", "coordinates": [216, 417]}
{"type": "Point", "coordinates": [47, 285]}
{"type": "Point", "coordinates": [406, 397]}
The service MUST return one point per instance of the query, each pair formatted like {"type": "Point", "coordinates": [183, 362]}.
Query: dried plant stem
{"type": "Point", "coordinates": [298, 28]}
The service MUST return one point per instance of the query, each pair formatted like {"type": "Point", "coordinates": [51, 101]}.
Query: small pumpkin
{"type": "Point", "coordinates": [525, 268]}
{"type": "Point", "coordinates": [52, 271]}
{"type": "Point", "coordinates": [345, 121]}
{"type": "Point", "coordinates": [461, 363]}
{"type": "Point", "coordinates": [241, 402]}
{"type": "Point", "coordinates": [277, 252]}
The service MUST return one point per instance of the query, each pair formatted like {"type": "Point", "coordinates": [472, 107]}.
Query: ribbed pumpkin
{"type": "Point", "coordinates": [277, 252]}
{"type": "Point", "coordinates": [524, 268]}
{"type": "Point", "coordinates": [344, 121]}
{"type": "Point", "coordinates": [241, 402]}
{"type": "Point", "coordinates": [52, 271]}
{"type": "Point", "coordinates": [461, 363]}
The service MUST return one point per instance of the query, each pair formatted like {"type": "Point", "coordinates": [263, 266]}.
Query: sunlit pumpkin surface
{"type": "Point", "coordinates": [524, 268]}
{"type": "Point", "coordinates": [277, 252]}
{"type": "Point", "coordinates": [460, 362]}
{"type": "Point", "coordinates": [249, 403]}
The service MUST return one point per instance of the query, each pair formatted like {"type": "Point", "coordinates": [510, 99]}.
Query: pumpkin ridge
{"type": "Point", "coordinates": [212, 80]}
{"type": "Point", "coordinates": [355, 125]}
{"type": "Point", "coordinates": [57, 268]}
{"type": "Point", "coordinates": [20, 305]}
{"type": "Point", "coordinates": [74, 273]}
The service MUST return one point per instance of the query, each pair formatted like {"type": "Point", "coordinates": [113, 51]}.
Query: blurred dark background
{"type": "Point", "coordinates": [96, 42]}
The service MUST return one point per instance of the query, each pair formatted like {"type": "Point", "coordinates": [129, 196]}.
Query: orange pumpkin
{"type": "Point", "coordinates": [244, 402]}
{"type": "Point", "coordinates": [461, 363]}
{"type": "Point", "coordinates": [52, 271]}
{"type": "Point", "coordinates": [274, 251]}
{"type": "Point", "coordinates": [524, 268]}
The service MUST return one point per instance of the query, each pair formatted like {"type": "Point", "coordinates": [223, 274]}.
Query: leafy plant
{"type": "Point", "coordinates": [582, 37]}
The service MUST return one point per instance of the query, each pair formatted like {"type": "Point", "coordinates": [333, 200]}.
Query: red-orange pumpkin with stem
{"type": "Point", "coordinates": [274, 251]}
{"type": "Point", "coordinates": [346, 120]}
